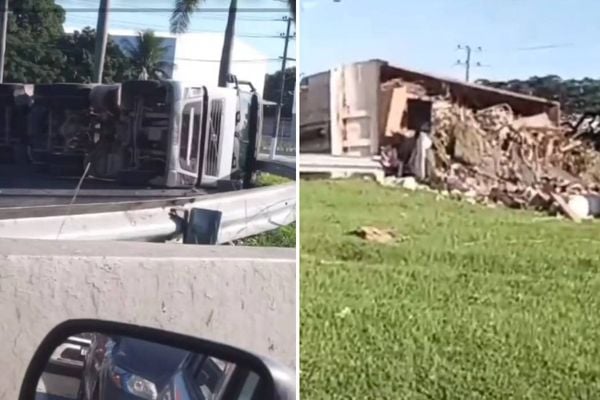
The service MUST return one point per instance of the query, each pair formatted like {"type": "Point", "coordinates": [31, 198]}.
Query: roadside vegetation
{"type": "Point", "coordinates": [466, 302]}
{"type": "Point", "coordinates": [282, 237]}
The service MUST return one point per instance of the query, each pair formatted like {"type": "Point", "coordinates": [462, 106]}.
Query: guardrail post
{"type": "Point", "coordinates": [202, 226]}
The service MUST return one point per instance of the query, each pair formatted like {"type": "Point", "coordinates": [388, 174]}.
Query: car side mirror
{"type": "Point", "coordinates": [148, 363]}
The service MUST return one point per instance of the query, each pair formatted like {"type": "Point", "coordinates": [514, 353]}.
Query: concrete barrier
{"type": "Point", "coordinates": [241, 296]}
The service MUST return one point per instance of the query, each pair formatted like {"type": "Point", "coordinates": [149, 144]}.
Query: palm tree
{"type": "Point", "coordinates": [180, 20]}
{"type": "Point", "coordinates": [147, 55]}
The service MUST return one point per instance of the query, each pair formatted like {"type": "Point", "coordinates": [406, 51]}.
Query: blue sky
{"type": "Point", "coordinates": [249, 25]}
{"type": "Point", "coordinates": [424, 34]}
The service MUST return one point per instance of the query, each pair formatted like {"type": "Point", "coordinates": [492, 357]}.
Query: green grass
{"type": "Point", "coordinates": [473, 303]}
{"type": "Point", "coordinates": [265, 179]}
{"type": "Point", "coordinates": [282, 237]}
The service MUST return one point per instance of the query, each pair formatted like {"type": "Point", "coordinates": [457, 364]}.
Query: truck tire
{"type": "Point", "coordinates": [11, 89]}
{"type": "Point", "coordinates": [105, 98]}
{"type": "Point", "coordinates": [70, 165]}
{"type": "Point", "coordinates": [7, 155]}
{"type": "Point", "coordinates": [132, 89]}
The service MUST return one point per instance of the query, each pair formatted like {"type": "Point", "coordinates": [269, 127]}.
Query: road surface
{"type": "Point", "coordinates": [57, 387]}
{"type": "Point", "coordinates": [280, 165]}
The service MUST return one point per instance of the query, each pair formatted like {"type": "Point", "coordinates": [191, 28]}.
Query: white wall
{"type": "Point", "coordinates": [242, 296]}
{"type": "Point", "coordinates": [208, 46]}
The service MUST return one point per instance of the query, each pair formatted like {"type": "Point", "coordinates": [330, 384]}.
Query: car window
{"type": "Point", "coordinates": [249, 389]}
{"type": "Point", "coordinates": [210, 377]}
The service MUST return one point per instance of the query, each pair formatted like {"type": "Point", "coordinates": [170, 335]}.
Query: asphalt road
{"type": "Point", "coordinates": [28, 188]}
{"type": "Point", "coordinates": [57, 387]}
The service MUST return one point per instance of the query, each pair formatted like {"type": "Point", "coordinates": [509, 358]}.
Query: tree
{"type": "Point", "coordinates": [180, 20]}
{"type": "Point", "coordinates": [78, 51]}
{"type": "Point", "coordinates": [147, 54]}
{"type": "Point", "coordinates": [575, 95]}
{"type": "Point", "coordinates": [34, 26]}
{"type": "Point", "coordinates": [273, 89]}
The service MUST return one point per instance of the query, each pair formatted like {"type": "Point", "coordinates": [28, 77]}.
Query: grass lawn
{"type": "Point", "coordinates": [282, 237]}
{"type": "Point", "coordinates": [471, 303]}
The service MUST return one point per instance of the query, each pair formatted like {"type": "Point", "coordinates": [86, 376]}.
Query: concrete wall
{"type": "Point", "coordinates": [241, 296]}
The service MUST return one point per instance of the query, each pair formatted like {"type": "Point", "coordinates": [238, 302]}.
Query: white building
{"type": "Point", "coordinates": [196, 56]}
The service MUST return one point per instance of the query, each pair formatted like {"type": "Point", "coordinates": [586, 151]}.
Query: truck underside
{"type": "Point", "coordinates": [140, 139]}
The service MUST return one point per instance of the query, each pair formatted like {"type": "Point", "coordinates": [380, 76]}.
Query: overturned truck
{"type": "Point", "coordinates": [139, 133]}
{"type": "Point", "coordinates": [466, 140]}
{"type": "Point", "coordinates": [356, 109]}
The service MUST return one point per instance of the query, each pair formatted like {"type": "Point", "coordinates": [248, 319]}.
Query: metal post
{"type": "Point", "coordinates": [101, 40]}
{"type": "Point", "coordinates": [3, 31]}
{"type": "Point", "coordinates": [282, 92]}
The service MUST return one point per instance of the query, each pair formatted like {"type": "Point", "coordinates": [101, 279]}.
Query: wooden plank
{"type": "Point", "coordinates": [396, 111]}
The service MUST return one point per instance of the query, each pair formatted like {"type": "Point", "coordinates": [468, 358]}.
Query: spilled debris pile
{"type": "Point", "coordinates": [491, 156]}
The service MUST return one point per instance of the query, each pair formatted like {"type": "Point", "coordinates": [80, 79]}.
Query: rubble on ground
{"type": "Point", "coordinates": [373, 234]}
{"type": "Point", "coordinates": [491, 156]}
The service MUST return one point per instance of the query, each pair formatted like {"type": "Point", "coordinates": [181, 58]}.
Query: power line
{"type": "Point", "coordinates": [256, 60]}
{"type": "Point", "coordinates": [147, 10]}
{"type": "Point", "coordinates": [216, 18]}
{"type": "Point", "coordinates": [545, 47]}
{"type": "Point", "coordinates": [130, 24]}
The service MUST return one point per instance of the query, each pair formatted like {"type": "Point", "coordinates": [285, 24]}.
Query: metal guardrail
{"type": "Point", "coordinates": [244, 213]}
{"type": "Point", "coordinates": [340, 166]}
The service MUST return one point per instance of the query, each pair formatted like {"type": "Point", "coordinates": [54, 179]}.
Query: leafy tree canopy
{"type": "Point", "coordinates": [273, 89]}
{"type": "Point", "coordinates": [39, 51]}
{"type": "Point", "coordinates": [575, 95]}
{"type": "Point", "coordinates": [78, 51]}
{"type": "Point", "coordinates": [33, 29]}
{"type": "Point", "coordinates": [147, 53]}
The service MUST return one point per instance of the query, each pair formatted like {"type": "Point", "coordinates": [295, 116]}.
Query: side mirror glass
{"type": "Point", "coordinates": [99, 360]}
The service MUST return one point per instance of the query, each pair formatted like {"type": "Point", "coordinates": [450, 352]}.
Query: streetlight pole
{"type": "Point", "coordinates": [3, 31]}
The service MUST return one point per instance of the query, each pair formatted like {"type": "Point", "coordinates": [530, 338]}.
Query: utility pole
{"type": "Point", "coordinates": [3, 32]}
{"type": "Point", "coordinates": [467, 62]}
{"type": "Point", "coordinates": [282, 89]}
{"type": "Point", "coordinates": [101, 40]}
